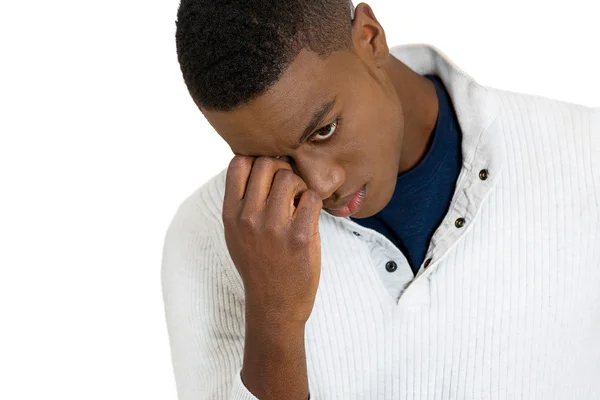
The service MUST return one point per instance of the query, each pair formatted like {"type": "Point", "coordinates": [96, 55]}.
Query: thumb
{"type": "Point", "coordinates": [308, 211]}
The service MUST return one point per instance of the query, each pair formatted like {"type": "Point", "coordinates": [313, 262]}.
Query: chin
{"type": "Point", "coordinates": [364, 212]}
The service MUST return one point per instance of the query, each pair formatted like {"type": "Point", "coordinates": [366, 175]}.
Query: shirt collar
{"type": "Point", "coordinates": [476, 106]}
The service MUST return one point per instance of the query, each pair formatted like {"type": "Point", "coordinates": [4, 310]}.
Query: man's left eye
{"type": "Point", "coordinates": [326, 132]}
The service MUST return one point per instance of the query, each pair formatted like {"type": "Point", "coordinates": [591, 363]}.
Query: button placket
{"type": "Point", "coordinates": [383, 252]}
{"type": "Point", "coordinates": [391, 266]}
{"type": "Point", "coordinates": [483, 174]}
{"type": "Point", "coordinates": [460, 222]}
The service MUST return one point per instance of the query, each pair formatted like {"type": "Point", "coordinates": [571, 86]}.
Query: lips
{"type": "Point", "coordinates": [351, 206]}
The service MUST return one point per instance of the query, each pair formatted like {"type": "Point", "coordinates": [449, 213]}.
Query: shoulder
{"type": "Point", "coordinates": [202, 209]}
{"type": "Point", "coordinates": [550, 138]}
{"type": "Point", "coordinates": [199, 214]}
{"type": "Point", "coordinates": [194, 244]}
{"type": "Point", "coordinates": [567, 116]}
{"type": "Point", "coordinates": [540, 124]}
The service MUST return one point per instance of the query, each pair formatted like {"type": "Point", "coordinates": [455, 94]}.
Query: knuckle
{"type": "Point", "coordinates": [285, 175]}
{"type": "Point", "coordinates": [284, 162]}
{"type": "Point", "coordinates": [272, 229]}
{"type": "Point", "coordinates": [240, 161]}
{"type": "Point", "coordinates": [313, 197]}
{"type": "Point", "coordinates": [300, 238]}
{"type": "Point", "coordinates": [264, 162]}
{"type": "Point", "coordinates": [247, 221]}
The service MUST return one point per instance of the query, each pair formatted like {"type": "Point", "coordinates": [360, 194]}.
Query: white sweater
{"type": "Point", "coordinates": [508, 307]}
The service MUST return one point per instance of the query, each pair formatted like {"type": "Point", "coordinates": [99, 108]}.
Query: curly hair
{"type": "Point", "coordinates": [231, 51]}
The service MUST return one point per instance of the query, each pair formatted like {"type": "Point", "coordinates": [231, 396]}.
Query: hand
{"type": "Point", "coordinates": [274, 244]}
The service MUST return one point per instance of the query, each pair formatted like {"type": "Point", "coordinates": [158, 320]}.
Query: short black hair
{"type": "Point", "coordinates": [231, 51]}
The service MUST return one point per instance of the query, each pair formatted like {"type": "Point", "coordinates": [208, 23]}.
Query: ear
{"type": "Point", "coordinates": [369, 37]}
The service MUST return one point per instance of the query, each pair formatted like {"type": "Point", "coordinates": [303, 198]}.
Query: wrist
{"type": "Point", "coordinates": [274, 364]}
{"type": "Point", "coordinates": [274, 328]}
{"type": "Point", "coordinates": [260, 316]}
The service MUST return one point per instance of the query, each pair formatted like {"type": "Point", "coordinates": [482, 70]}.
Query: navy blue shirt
{"type": "Point", "coordinates": [422, 195]}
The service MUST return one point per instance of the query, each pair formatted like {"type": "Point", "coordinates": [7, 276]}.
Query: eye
{"type": "Point", "coordinates": [326, 132]}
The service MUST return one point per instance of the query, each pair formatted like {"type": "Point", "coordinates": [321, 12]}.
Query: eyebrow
{"type": "Point", "coordinates": [317, 119]}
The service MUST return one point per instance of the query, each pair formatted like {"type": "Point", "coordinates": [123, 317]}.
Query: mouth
{"type": "Point", "coordinates": [351, 206]}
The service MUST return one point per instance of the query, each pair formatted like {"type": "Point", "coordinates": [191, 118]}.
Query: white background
{"type": "Point", "coordinates": [100, 144]}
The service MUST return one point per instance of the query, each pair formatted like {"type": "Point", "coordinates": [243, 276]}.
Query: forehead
{"type": "Point", "coordinates": [275, 121]}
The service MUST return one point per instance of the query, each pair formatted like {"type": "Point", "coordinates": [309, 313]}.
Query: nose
{"type": "Point", "coordinates": [322, 176]}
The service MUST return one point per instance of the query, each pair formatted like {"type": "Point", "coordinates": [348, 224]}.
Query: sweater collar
{"type": "Point", "coordinates": [476, 106]}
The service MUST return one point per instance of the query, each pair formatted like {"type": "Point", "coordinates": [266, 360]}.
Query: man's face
{"type": "Point", "coordinates": [338, 121]}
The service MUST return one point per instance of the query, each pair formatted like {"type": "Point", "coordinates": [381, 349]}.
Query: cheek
{"type": "Point", "coordinates": [386, 118]}
{"type": "Point", "coordinates": [372, 145]}
{"type": "Point", "coordinates": [375, 133]}
{"type": "Point", "coordinates": [385, 139]}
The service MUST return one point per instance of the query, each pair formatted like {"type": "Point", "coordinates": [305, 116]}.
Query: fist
{"type": "Point", "coordinates": [272, 234]}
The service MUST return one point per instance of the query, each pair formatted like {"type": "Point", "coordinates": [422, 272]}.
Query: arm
{"type": "Point", "coordinates": [270, 221]}
{"type": "Point", "coordinates": [204, 313]}
{"type": "Point", "coordinates": [274, 359]}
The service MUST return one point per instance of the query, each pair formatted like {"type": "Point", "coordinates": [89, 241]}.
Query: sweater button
{"type": "Point", "coordinates": [483, 174]}
{"type": "Point", "coordinates": [427, 262]}
{"type": "Point", "coordinates": [356, 233]}
{"type": "Point", "coordinates": [459, 223]}
{"type": "Point", "coordinates": [391, 266]}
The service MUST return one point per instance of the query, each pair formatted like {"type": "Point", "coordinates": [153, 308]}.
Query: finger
{"type": "Point", "coordinates": [236, 180]}
{"type": "Point", "coordinates": [261, 180]}
{"type": "Point", "coordinates": [286, 187]}
{"type": "Point", "coordinates": [308, 211]}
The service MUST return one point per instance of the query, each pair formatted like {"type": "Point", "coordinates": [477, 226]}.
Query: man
{"type": "Point", "coordinates": [388, 228]}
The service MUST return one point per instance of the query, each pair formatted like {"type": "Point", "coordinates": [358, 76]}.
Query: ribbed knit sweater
{"type": "Point", "coordinates": [506, 305]}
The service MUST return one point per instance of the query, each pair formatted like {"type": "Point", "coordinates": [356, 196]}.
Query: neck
{"type": "Point", "coordinates": [419, 101]}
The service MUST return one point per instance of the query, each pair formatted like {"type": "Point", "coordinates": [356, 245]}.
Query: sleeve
{"type": "Point", "coordinates": [204, 309]}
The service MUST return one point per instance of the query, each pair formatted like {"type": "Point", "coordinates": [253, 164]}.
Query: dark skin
{"type": "Point", "coordinates": [272, 206]}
